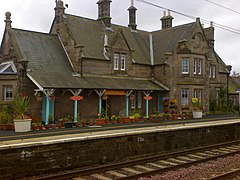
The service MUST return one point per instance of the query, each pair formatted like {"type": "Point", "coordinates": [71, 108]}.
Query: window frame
{"type": "Point", "coordinates": [197, 93]}
{"type": "Point", "coordinates": [123, 62]}
{"type": "Point", "coordinates": [199, 66]}
{"type": "Point", "coordinates": [6, 93]}
{"type": "Point", "coordinates": [194, 66]}
{"type": "Point", "coordinates": [133, 101]}
{"type": "Point", "coordinates": [185, 97]}
{"type": "Point", "coordinates": [214, 71]}
{"type": "Point", "coordinates": [116, 62]}
{"type": "Point", "coordinates": [185, 67]}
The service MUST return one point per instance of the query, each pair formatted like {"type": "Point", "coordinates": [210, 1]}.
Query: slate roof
{"type": "Point", "coordinates": [107, 82]}
{"type": "Point", "coordinates": [222, 67]}
{"type": "Point", "coordinates": [47, 59]}
{"type": "Point", "coordinates": [234, 83]}
{"type": "Point", "coordinates": [90, 33]}
{"type": "Point", "coordinates": [166, 40]}
{"type": "Point", "coordinates": [49, 66]}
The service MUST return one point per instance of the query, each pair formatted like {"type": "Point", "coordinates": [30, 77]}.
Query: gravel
{"type": "Point", "coordinates": [200, 171]}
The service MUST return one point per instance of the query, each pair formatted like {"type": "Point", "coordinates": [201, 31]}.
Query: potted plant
{"type": "Point", "coordinates": [51, 121]}
{"type": "Point", "coordinates": [101, 120]}
{"type": "Point", "coordinates": [22, 122]}
{"type": "Point", "coordinates": [197, 108]}
{"type": "Point", "coordinates": [84, 122]}
{"type": "Point", "coordinates": [114, 119]}
{"type": "Point", "coordinates": [5, 118]}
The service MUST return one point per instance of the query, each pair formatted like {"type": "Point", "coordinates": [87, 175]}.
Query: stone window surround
{"type": "Point", "coordinates": [185, 97]}
{"type": "Point", "coordinates": [7, 93]}
{"type": "Point", "coordinates": [119, 61]}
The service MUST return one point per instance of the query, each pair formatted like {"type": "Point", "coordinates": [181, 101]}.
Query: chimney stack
{"type": "Point", "coordinates": [132, 16]}
{"type": "Point", "coordinates": [59, 9]}
{"type": "Point", "coordinates": [166, 20]}
{"type": "Point", "coordinates": [8, 20]}
{"type": "Point", "coordinates": [104, 12]}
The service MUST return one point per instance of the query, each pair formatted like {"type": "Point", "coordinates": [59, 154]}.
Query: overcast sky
{"type": "Point", "coordinates": [37, 15]}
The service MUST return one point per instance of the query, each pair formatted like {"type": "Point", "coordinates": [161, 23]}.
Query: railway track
{"type": "Point", "coordinates": [234, 174]}
{"type": "Point", "coordinates": [150, 166]}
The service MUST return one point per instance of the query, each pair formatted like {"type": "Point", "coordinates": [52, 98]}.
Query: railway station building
{"type": "Point", "coordinates": [84, 66]}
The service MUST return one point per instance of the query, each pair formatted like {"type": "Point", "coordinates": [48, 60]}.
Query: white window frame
{"type": "Point", "coordinates": [116, 61]}
{"type": "Point", "coordinates": [195, 66]}
{"type": "Point", "coordinates": [123, 62]}
{"type": "Point", "coordinates": [213, 71]}
{"type": "Point", "coordinates": [199, 66]}
{"type": "Point", "coordinates": [185, 97]}
{"type": "Point", "coordinates": [210, 71]}
{"type": "Point", "coordinates": [8, 93]}
{"type": "Point", "coordinates": [197, 93]}
{"type": "Point", "coordinates": [185, 66]}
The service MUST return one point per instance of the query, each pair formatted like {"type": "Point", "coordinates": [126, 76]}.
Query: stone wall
{"type": "Point", "coordinates": [35, 160]}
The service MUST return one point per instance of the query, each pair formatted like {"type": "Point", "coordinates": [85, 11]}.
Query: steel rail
{"type": "Point", "coordinates": [226, 175]}
{"type": "Point", "coordinates": [92, 170]}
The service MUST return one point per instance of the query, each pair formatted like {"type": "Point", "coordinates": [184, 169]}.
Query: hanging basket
{"type": "Point", "coordinates": [52, 98]}
{"type": "Point", "coordinates": [38, 98]}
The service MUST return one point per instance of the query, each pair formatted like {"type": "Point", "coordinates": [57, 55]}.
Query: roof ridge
{"type": "Point", "coordinates": [113, 24]}
{"type": "Point", "coordinates": [174, 28]}
{"type": "Point", "coordinates": [37, 32]}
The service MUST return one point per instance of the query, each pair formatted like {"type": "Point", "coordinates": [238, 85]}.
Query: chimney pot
{"type": "Point", "coordinates": [166, 20]}
{"type": "Point", "coordinates": [8, 20]}
{"type": "Point", "coordinates": [132, 16]}
{"type": "Point", "coordinates": [211, 24]}
{"type": "Point", "coordinates": [104, 12]}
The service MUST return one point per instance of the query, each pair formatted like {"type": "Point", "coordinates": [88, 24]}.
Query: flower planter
{"type": "Point", "coordinates": [157, 119]}
{"type": "Point", "coordinates": [22, 125]}
{"type": "Point", "coordinates": [197, 114]}
{"type": "Point", "coordinates": [174, 116]}
{"type": "Point", "coordinates": [100, 121]}
{"type": "Point", "coordinates": [69, 124]}
{"type": "Point", "coordinates": [126, 120]}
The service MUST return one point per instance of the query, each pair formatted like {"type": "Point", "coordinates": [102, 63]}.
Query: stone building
{"type": "Point", "coordinates": [84, 66]}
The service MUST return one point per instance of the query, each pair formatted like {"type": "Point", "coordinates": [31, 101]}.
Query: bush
{"type": "Point", "coordinates": [4, 118]}
{"type": "Point", "coordinates": [213, 106]}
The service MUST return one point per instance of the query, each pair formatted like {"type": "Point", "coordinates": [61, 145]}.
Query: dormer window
{"type": "Point", "coordinates": [116, 61]}
{"type": "Point", "coordinates": [119, 62]}
{"type": "Point", "coordinates": [123, 61]}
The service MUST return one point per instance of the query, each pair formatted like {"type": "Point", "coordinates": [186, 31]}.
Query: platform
{"type": "Point", "coordinates": [50, 151]}
{"type": "Point", "coordinates": [10, 140]}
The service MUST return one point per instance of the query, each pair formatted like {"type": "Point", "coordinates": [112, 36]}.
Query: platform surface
{"type": "Point", "coordinates": [9, 140]}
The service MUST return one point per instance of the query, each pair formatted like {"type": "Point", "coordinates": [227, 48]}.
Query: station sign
{"type": "Point", "coordinates": [147, 97]}
{"type": "Point", "coordinates": [76, 98]}
{"type": "Point", "coordinates": [114, 93]}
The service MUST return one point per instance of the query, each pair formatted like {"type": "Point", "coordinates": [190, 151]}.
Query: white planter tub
{"type": "Point", "coordinates": [22, 125]}
{"type": "Point", "coordinates": [197, 114]}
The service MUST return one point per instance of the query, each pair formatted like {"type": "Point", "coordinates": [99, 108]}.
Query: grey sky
{"type": "Point", "coordinates": [37, 15]}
